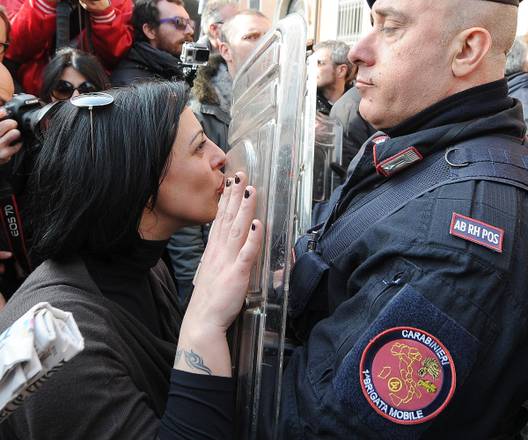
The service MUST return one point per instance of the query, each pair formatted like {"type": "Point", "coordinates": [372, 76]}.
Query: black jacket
{"type": "Point", "coordinates": [116, 388]}
{"type": "Point", "coordinates": [144, 62]}
{"type": "Point", "coordinates": [411, 313]}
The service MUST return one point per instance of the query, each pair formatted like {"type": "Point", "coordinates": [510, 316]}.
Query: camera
{"type": "Point", "coordinates": [194, 55]}
{"type": "Point", "coordinates": [28, 111]}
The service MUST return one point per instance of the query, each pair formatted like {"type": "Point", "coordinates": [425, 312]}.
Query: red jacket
{"type": "Point", "coordinates": [12, 7]}
{"type": "Point", "coordinates": [33, 33]}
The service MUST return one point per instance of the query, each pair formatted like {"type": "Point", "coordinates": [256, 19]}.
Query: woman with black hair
{"type": "Point", "coordinates": [71, 72]}
{"type": "Point", "coordinates": [118, 173]}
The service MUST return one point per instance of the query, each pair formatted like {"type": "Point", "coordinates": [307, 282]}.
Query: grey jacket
{"type": "Point", "coordinates": [117, 387]}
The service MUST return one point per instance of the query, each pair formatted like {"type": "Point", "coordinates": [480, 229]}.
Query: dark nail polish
{"type": "Point", "coordinates": [246, 194]}
{"type": "Point", "coordinates": [253, 227]}
{"type": "Point", "coordinates": [237, 179]}
{"type": "Point", "coordinates": [228, 182]}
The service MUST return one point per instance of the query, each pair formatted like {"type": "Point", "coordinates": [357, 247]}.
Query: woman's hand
{"type": "Point", "coordinates": [221, 283]}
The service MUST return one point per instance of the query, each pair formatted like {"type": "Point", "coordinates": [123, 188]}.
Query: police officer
{"type": "Point", "coordinates": [10, 143]}
{"type": "Point", "coordinates": [425, 304]}
{"type": "Point", "coordinates": [409, 298]}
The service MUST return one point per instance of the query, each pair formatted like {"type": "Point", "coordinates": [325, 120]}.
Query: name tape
{"type": "Point", "coordinates": [477, 232]}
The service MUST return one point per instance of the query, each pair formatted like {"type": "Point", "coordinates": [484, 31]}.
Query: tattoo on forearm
{"type": "Point", "coordinates": [193, 360]}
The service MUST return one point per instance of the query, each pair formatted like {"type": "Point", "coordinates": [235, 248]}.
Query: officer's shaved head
{"type": "Point", "coordinates": [422, 51]}
{"type": "Point", "coordinates": [498, 18]}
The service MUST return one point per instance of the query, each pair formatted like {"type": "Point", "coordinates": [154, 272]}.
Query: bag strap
{"type": "Point", "coordinates": [491, 158]}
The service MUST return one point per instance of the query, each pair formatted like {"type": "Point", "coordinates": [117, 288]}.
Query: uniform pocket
{"type": "Point", "coordinates": [401, 373]}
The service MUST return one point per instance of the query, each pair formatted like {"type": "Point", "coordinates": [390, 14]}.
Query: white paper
{"type": "Point", "coordinates": [33, 348]}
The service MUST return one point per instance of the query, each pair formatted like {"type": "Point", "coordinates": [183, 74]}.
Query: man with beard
{"type": "Point", "coordinates": [160, 29]}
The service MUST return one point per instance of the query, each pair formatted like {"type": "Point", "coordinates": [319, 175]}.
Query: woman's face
{"type": "Point", "coordinates": [190, 191]}
{"type": "Point", "coordinates": [71, 83]}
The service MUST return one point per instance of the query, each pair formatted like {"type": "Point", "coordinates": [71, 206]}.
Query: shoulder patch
{"type": "Point", "coordinates": [477, 232]}
{"type": "Point", "coordinates": [407, 375]}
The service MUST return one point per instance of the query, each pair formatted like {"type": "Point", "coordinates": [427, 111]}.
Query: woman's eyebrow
{"type": "Point", "coordinates": [198, 133]}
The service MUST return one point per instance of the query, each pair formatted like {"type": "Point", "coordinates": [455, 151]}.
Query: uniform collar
{"type": "Point", "coordinates": [481, 110]}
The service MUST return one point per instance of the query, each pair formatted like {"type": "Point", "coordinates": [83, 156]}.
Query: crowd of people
{"type": "Point", "coordinates": [408, 302]}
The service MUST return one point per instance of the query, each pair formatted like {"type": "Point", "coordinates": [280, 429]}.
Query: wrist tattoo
{"type": "Point", "coordinates": [193, 360]}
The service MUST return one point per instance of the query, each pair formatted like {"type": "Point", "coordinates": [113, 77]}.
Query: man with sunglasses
{"type": "Point", "coordinates": [161, 27]}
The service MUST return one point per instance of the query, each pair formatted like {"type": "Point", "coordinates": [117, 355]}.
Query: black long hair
{"type": "Point", "coordinates": [85, 63]}
{"type": "Point", "coordinates": [84, 202]}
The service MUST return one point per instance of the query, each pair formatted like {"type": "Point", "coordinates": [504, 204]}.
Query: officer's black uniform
{"type": "Point", "coordinates": [425, 325]}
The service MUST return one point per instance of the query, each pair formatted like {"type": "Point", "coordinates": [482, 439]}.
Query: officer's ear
{"type": "Point", "coordinates": [470, 48]}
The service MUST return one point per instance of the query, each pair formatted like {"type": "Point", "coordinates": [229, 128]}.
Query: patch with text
{"type": "Point", "coordinates": [477, 232]}
{"type": "Point", "coordinates": [407, 375]}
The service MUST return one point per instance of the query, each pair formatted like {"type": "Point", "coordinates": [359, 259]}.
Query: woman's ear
{"type": "Point", "coordinates": [471, 46]}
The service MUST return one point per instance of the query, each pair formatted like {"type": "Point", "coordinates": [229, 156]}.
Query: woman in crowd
{"type": "Point", "coordinates": [71, 72]}
{"type": "Point", "coordinates": [112, 183]}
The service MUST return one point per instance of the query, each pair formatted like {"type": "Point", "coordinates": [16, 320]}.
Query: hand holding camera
{"type": "Point", "coordinates": [90, 5]}
{"type": "Point", "coordinates": [10, 138]}
{"type": "Point", "coordinates": [95, 5]}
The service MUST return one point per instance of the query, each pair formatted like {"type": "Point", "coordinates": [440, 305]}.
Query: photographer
{"type": "Point", "coordinates": [34, 28]}
{"type": "Point", "coordinates": [10, 144]}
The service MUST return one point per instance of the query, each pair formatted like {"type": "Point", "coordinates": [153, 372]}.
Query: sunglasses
{"type": "Point", "coordinates": [64, 89]}
{"type": "Point", "coordinates": [179, 23]}
{"type": "Point", "coordinates": [89, 101]}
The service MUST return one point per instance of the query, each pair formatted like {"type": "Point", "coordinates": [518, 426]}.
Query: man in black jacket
{"type": "Point", "coordinates": [411, 305]}
{"type": "Point", "coordinates": [160, 29]}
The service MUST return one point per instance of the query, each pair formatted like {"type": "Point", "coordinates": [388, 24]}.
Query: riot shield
{"type": "Point", "coordinates": [328, 149]}
{"type": "Point", "coordinates": [265, 136]}
{"type": "Point", "coordinates": [303, 210]}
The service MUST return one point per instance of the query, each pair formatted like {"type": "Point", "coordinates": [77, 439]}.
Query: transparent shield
{"type": "Point", "coordinates": [265, 137]}
{"type": "Point", "coordinates": [327, 150]}
{"type": "Point", "coordinates": [303, 212]}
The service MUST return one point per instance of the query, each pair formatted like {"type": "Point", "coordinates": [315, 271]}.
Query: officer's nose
{"type": "Point", "coordinates": [362, 53]}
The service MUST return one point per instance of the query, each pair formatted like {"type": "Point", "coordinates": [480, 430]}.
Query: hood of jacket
{"type": "Point", "coordinates": [213, 84]}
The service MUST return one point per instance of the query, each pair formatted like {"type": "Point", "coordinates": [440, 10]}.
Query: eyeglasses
{"type": "Point", "coordinates": [64, 89]}
{"type": "Point", "coordinates": [89, 101]}
{"type": "Point", "coordinates": [179, 23]}
{"type": "Point", "coordinates": [3, 47]}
